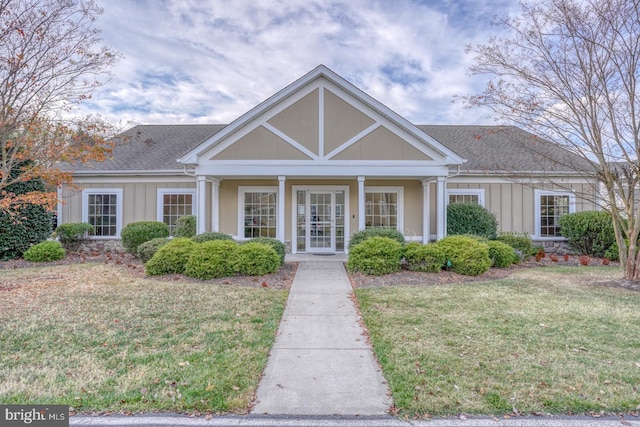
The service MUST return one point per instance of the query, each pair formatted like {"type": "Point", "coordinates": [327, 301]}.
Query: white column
{"type": "Point", "coordinates": [215, 205]}
{"type": "Point", "coordinates": [361, 212]}
{"type": "Point", "coordinates": [281, 213]}
{"type": "Point", "coordinates": [441, 208]}
{"type": "Point", "coordinates": [426, 212]}
{"type": "Point", "coordinates": [202, 206]}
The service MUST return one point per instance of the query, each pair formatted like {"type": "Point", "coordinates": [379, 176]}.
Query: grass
{"type": "Point", "coordinates": [544, 341]}
{"type": "Point", "coordinates": [99, 339]}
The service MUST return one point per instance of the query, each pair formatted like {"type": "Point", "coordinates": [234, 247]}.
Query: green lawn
{"type": "Point", "coordinates": [100, 339]}
{"type": "Point", "coordinates": [546, 340]}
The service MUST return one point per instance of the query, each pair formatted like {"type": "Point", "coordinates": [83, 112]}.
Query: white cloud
{"type": "Point", "coordinates": [192, 61]}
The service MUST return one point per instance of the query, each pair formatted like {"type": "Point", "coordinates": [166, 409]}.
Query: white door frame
{"type": "Point", "coordinates": [294, 207]}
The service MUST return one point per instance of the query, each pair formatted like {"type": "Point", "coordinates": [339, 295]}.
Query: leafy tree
{"type": "Point", "coordinates": [51, 61]}
{"type": "Point", "coordinates": [567, 71]}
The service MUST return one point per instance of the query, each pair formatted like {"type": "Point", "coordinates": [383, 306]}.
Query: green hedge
{"type": "Point", "coordinates": [362, 235]}
{"type": "Point", "coordinates": [209, 260]}
{"type": "Point", "coordinates": [45, 251]}
{"type": "Point", "coordinates": [466, 255]}
{"type": "Point", "coordinates": [501, 254]}
{"type": "Point", "coordinates": [213, 235]}
{"type": "Point", "coordinates": [376, 255]}
{"type": "Point", "coordinates": [276, 244]}
{"type": "Point", "coordinates": [471, 219]}
{"type": "Point", "coordinates": [71, 235]}
{"type": "Point", "coordinates": [427, 258]}
{"type": "Point", "coordinates": [171, 258]}
{"type": "Point", "coordinates": [256, 259]}
{"type": "Point", "coordinates": [185, 226]}
{"type": "Point", "coordinates": [519, 241]}
{"type": "Point", "coordinates": [136, 233]}
{"type": "Point", "coordinates": [589, 232]}
{"type": "Point", "coordinates": [147, 250]}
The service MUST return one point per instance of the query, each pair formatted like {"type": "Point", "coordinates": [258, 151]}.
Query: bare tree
{"type": "Point", "coordinates": [567, 71]}
{"type": "Point", "coordinates": [50, 61]}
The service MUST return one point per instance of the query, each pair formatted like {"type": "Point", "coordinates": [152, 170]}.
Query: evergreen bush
{"type": "Point", "coordinates": [171, 258]}
{"type": "Point", "coordinates": [471, 218]}
{"type": "Point", "coordinates": [276, 244]}
{"type": "Point", "coordinates": [519, 241]}
{"type": "Point", "coordinates": [362, 235]}
{"type": "Point", "coordinates": [589, 232]}
{"type": "Point", "coordinates": [427, 258]}
{"type": "Point", "coordinates": [72, 234]}
{"type": "Point", "coordinates": [147, 250]}
{"type": "Point", "coordinates": [501, 254]}
{"type": "Point", "coordinates": [185, 226]}
{"type": "Point", "coordinates": [466, 255]}
{"type": "Point", "coordinates": [256, 259]}
{"type": "Point", "coordinates": [212, 235]}
{"type": "Point", "coordinates": [136, 233]}
{"type": "Point", "coordinates": [45, 251]}
{"type": "Point", "coordinates": [212, 259]}
{"type": "Point", "coordinates": [376, 255]}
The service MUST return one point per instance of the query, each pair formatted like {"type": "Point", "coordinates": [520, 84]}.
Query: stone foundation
{"type": "Point", "coordinates": [554, 247]}
{"type": "Point", "coordinates": [100, 246]}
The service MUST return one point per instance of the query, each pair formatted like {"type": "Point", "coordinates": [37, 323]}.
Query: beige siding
{"type": "Point", "coordinates": [342, 121]}
{"type": "Point", "coordinates": [300, 121]}
{"type": "Point", "coordinates": [381, 144]}
{"type": "Point", "coordinates": [261, 144]}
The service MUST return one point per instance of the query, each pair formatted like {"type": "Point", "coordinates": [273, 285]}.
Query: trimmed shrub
{"type": "Point", "coordinates": [612, 253]}
{"type": "Point", "coordinates": [214, 235]}
{"type": "Point", "coordinates": [376, 255]}
{"type": "Point", "coordinates": [45, 251]}
{"type": "Point", "coordinates": [212, 259]}
{"type": "Point", "coordinates": [171, 258]}
{"type": "Point", "coordinates": [362, 235]}
{"type": "Point", "coordinates": [147, 250]}
{"type": "Point", "coordinates": [467, 255]}
{"type": "Point", "coordinates": [501, 254]}
{"type": "Point", "coordinates": [428, 258]}
{"type": "Point", "coordinates": [256, 259]}
{"type": "Point", "coordinates": [276, 244]}
{"type": "Point", "coordinates": [136, 233]}
{"type": "Point", "coordinates": [470, 218]}
{"type": "Point", "coordinates": [589, 232]}
{"type": "Point", "coordinates": [185, 226]}
{"type": "Point", "coordinates": [24, 225]}
{"type": "Point", "coordinates": [72, 234]}
{"type": "Point", "coordinates": [519, 241]}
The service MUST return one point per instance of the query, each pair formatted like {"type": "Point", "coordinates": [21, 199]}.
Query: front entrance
{"type": "Point", "coordinates": [320, 220]}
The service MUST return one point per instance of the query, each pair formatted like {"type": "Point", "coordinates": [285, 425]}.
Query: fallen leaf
{"type": "Point", "coordinates": [235, 387]}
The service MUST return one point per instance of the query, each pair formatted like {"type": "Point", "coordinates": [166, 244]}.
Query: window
{"type": "Point", "coordinates": [459, 195]}
{"type": "Point", "coordinates": [383, 207]}
{"type": "Point", "coordinates": [258, 207]}
{"type": "Point", "coordinates": [102, 208]}
{"type": "Point", "coordinates": [550, 206]}
{"type": "Point", "coordinates": [174, 203]}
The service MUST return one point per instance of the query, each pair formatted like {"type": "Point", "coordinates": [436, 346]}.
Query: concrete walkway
{"type": "Point", "coordinates": [321, 363]}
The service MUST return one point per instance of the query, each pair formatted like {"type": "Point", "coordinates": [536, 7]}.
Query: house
{"type": "Point", "coordinates": [318, 161]}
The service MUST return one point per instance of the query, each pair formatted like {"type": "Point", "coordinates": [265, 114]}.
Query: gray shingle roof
{"type": "Point", "coordinates": [153, 147]}
{"type": "Point", "coordinates": [486, 148]}
{"type": "Point", "coordinates": [504, 148]}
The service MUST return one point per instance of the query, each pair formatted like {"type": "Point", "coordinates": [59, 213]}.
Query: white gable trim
{"type": "Point", "coordinates": [352, 141]}
{"type": "Point", "coordinates": [290, 141]}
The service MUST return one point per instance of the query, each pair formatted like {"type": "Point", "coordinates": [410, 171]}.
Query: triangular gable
{"type": "Point", "coordinates": [321, 118]}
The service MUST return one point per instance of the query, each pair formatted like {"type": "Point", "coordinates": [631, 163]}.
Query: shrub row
{"type": "Point", "coordinates": [213, 258]}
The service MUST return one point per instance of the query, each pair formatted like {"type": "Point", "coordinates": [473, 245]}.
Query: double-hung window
{"type": "Point", "coordinates": [258, 207]}
{"type": "Point", "coordinates": [102, 208]}
{"type": "Point", "coordinates": [550, 206]}
{"type": "Point", "coordinates": [174, 203]}
{"type": "Point", "coordinates": [384, 207]}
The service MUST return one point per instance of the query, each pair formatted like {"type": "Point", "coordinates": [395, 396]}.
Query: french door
{"type": "Point", "coordinates": [320, 221]}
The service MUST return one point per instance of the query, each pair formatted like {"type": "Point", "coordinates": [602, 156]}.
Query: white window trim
{"type": "Point", "coordinates": [538, 220]}
{"type": "Point", "coordinates": [400, 192]}
{"type": "Point", "coordinates": [85, 207]}
{"type": "Point", "coordinates": [164, 191]}
{"type": "Point", "coordinates": [262, 189]}
{"type": "Point", "coordinates": [467, 192]}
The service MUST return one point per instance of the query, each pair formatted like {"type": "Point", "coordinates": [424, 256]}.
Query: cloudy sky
{"type": "Point", "coordinates": [209, 61]}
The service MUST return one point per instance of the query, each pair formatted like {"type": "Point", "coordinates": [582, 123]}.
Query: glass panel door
{"type": "Point", "coordinates": [321, 221]}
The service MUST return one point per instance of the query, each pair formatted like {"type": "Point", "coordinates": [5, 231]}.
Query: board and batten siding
{"type": "Point", "coordinates": [139, 199]}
